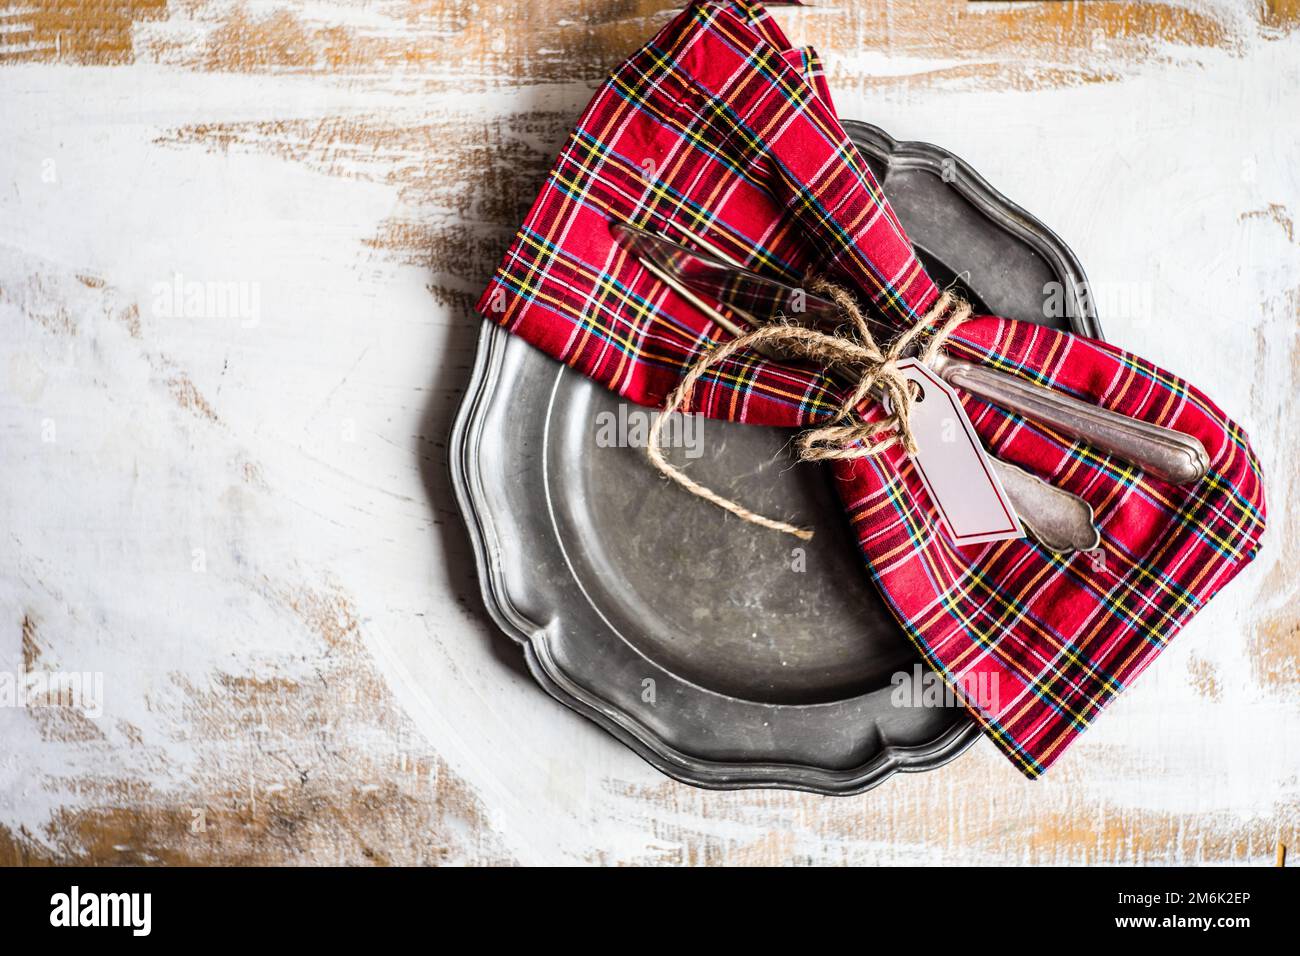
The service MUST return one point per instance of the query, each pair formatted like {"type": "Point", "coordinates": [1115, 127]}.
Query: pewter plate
{"type": "Point", "coordinates": [722, 653]}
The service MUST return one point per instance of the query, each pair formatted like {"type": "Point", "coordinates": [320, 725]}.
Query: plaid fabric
{"type": "Point", "coordinates": [717, 129]}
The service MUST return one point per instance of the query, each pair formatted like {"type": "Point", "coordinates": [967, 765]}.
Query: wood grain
{"type": "Point", "coordinates": [238, 247]}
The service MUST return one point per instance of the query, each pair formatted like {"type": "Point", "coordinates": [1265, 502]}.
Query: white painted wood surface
{"type": "Point", "coordinates": [240, 515]}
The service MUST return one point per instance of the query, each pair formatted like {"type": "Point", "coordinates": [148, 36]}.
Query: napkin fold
{"type": "Point", "coordinates": [717, 128]}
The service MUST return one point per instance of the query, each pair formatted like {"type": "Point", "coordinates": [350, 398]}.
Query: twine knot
{"type": "Point", "coordinates": [851, 350]}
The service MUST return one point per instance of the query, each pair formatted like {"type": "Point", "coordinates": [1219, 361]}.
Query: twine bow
{"type": "Point", "coordinates": [853, 350]}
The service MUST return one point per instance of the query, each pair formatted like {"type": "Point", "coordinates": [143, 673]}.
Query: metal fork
{"type": "Point", "coordinates": [1160, 452]}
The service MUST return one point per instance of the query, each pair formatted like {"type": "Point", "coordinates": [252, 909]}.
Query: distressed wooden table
{"type": "Point", "coordinates": [238, 247]}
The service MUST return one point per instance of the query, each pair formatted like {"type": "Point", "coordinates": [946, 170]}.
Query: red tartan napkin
{"type": "Point", "coordinates": [716, 128]}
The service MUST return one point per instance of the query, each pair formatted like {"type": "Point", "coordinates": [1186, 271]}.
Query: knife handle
{"type": "Point", "coordinates": [1161, 452]}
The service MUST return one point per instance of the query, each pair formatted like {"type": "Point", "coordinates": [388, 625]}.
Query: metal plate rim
{"type": "Point", "coordinates": [975, 189]}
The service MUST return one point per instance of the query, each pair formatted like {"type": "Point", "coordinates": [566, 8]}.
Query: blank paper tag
{"type": "Point", "coordinates": [954, 466]}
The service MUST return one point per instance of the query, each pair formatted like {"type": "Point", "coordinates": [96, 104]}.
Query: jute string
{"type": "Point", "coordinates": [851, 349]}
